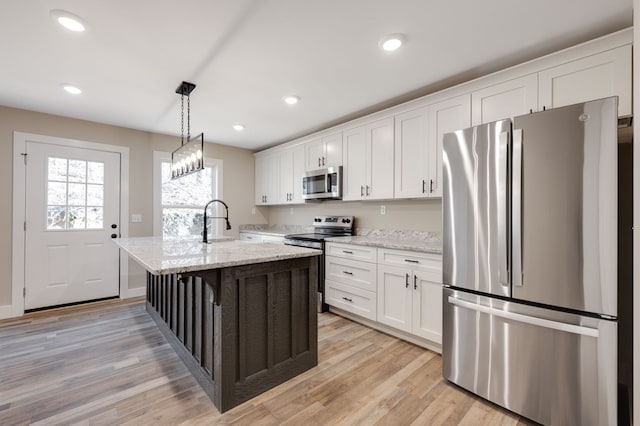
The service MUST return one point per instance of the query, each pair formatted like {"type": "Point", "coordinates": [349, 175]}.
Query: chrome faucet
{"type": "Point", "coordinates": [225, 217]}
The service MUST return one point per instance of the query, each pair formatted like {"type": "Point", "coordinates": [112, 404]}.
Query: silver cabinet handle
{"type": "Point", "coordinates": [412, 261]}
{"type": "Point", "coordinates": [423, 188]}
{"type": "Point", "coordinates": [347, 251]}
{"type": "Point", "coordinates": [319, 162]}
{"type": "Point", "coordinates": [415, 284]}
{"type": "Point", "coordinates": [347, 272]}
{"type": "Point", "coordinates": [361, 191]}
{"type": "Point", "coordinates": [368, 192]}
{"type": "Point", "coordinates": [348, 300]}
{"type": "Point", "coordinates": [323, 161]}
{"type": "Point", "coordinates": [406, 281]}
{"type": "Point", "coordinates": [430, 186]}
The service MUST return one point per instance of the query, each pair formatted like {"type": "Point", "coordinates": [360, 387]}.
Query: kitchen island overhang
{"type": "Point", "coordinates": [241, 316]}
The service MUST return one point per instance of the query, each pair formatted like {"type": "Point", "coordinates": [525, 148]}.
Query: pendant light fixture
{"type": "Point", "coordinates": [189, 158]}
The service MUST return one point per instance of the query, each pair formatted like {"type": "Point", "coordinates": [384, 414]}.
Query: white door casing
{"type": "Point", "coordinates": [20, 191]}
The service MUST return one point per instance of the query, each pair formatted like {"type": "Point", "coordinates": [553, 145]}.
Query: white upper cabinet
{"type": "Point", "coordinates": [419, 134]}
{"type": "Point", "coordinates": [444, 117]}
{"type": "Point", "coordinates": [266, 179]}
{"type": "Point", "coordinates": [368, 161]}
{"type": "Point", "coordinates": [411, 154]}
{"type": "Point", "coordinates": [597, 76]}
{"type": "Point", "coordinates": [505, 100]}
{"type": "Point", "coordinates": [290, 171]}
{"type": "Point", "coordinates": [324, 152]}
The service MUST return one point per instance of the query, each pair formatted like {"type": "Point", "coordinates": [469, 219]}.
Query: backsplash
{"type": "Point", "coordinates": [415, 215]}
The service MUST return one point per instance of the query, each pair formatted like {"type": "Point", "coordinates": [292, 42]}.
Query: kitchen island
{"type": "Point", "coordinates": [241, 316]}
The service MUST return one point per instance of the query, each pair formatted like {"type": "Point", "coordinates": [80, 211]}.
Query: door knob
{"type": "Point", "coordinates": [114, 235]}
{"type": "Point", "coordinates": [114, 226]}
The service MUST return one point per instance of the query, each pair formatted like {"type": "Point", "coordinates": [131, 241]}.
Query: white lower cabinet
{"type": "Point", "coordinates": [410, 292]}
{"type": "Point", "coordinates": [399, 289]}
{"type": "Point", "coordinates": [351, 284]}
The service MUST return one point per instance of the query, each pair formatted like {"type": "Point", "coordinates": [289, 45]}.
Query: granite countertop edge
{"type": "Point", "coordinates": [430, 247]}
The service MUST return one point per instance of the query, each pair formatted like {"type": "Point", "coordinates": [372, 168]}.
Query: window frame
{"type": "Point", "coordinates": [160, 157]}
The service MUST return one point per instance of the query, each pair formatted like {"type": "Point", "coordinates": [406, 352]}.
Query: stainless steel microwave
{"type": "Point", "coordinates": [323, 184]}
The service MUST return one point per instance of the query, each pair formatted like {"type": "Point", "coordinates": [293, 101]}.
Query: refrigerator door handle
{"type": "Point", "coordinates": [503, 254]}
{"type": "Point", "coordinates": [526, 319]}
{"type": "Point", "coordinates": [516, 210]}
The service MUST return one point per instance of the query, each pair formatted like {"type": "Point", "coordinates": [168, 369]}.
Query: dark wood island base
{"type": "Point", "coordinates": [240, 330]}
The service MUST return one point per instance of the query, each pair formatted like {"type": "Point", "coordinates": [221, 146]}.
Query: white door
{"type": "Point", "coordinates": [427, 305]}
{"type": "Point", "coordinates": [355, 164]}
{"type": "Point", "coordinates": [505, 100]}
{"type": "Point", "coordinates": [395, 297]}
{"type": "Point", "coordinates": [72, 212]}
{"type": "Point", "coordinates": [411, 154]}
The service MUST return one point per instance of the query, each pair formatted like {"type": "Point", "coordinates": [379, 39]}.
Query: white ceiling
{"type": "Point", "coordinates": [245, 55]}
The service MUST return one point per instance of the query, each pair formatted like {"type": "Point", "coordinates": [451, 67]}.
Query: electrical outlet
{"type": "Point", "coordinates": [136, 218]}
{"type": "Point", "coordinates": [383, 209]}
{"type": "Point", "coordinates": [253, 210]}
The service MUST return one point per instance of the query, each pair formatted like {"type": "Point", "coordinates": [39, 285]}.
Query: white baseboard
{"type": "Point", "coordinates": [133, 292]}
{"type": "Point", "coordinates": [432, 346]}
{"type": "Point", "coordinates": [6, 311]}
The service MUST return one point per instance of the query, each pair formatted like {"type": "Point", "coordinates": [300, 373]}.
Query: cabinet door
{"type": "Point", "coordinates": [509, 99]}
{"type": "Point", "coordinates": [284, 192]}
{"type": "Point", "coordinates": [427, 305]}
{"type": "Point", "coordinates": [411, 154]}
{"type": "Point", "coordinates": [315, 152]}
{"type": "Point", "coordinates": [332, 156]}
{"type": "Point", "coordinates": [594, 77]}
{"type": "Point", "coordinates": [354, 173]}
{"type": "Point", "coordinates": [380, 151]}
{"type": "Point", "coordinates": [298, 173]}
{"type": "Point", "coordinates": [266, 179]}
{"type": "Point", "coordinates": [444, 117]}
{"type": "Point", "coordinates": [394, 297]}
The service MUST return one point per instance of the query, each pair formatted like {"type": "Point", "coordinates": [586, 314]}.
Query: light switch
{"type": "Point", "coordinates": [136, 218]}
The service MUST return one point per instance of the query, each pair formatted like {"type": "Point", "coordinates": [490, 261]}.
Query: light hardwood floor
{"type": "Point", "coordinates": [106, 363]}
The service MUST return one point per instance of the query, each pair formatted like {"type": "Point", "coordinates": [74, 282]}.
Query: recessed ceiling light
{"type": "Point", "coordinates": [392, 42]}
{"type": "Point", "coordinates": [70, 88]}
{"type": "Point", "coordinates": [291, 99]}
{"type": "Point", "coordinates": [68, 20]}
{"type": "Point", "coordinates": [238, 127]}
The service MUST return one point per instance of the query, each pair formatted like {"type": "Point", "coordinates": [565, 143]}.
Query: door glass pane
{"type": "Point", "coordinates": [56, 217]}
{"type": "Point", "coordinates": [75, 194]}
{"type": "Point", "coordinates": [76, 217]}
{"type": "Point", "coordinates": [57, 169]}
{"type": "Point", "coordinates": [95, 195]}
{"type": "Point", "coordinates": [95, 172]}
{"type": "Point", "coordinates": [94, 217]}
{"type": "Point", "coordinates": [57, 193]}
{"type": "Point", "coordinates": [77, 171]}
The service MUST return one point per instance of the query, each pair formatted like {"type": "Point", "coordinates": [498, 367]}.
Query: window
{"type": "Point", "coordinates": [179, 204]}
{"type": "Point", "coordinates": [75, 194]}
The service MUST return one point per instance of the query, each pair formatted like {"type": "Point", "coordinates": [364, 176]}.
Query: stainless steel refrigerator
{"type": "Point", "coordinates": [530, 268]}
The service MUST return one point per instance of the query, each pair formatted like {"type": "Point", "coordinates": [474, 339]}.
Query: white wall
{"type": "Point", "coordinates": [238, 176]}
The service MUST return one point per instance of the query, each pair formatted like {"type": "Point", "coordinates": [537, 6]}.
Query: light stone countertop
{"type": "Point", "coordinates": [176, 255]}
{"type": "Point", "coordinates": [275, 230]}
{"type": "Point", "coordinates": [420, 241]}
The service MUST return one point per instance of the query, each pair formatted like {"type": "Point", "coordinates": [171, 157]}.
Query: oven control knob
{"type": "Point", "coordinates": [317, 219]}
{"type": "Point", "coordinates": [346, 220]}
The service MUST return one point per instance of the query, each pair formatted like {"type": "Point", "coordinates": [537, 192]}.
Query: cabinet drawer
{"type": "Point", "coordinates": [412, 259]}
{"type": "Point", "coordinates": [350, 251]}
{"type": "Point", "coordinates": [351, 299]}
{"type": "Point", "coordinates": [352, 272]}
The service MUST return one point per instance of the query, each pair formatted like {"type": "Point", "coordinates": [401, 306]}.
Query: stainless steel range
{"type": "Point", "coordinates": [324, 227]}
